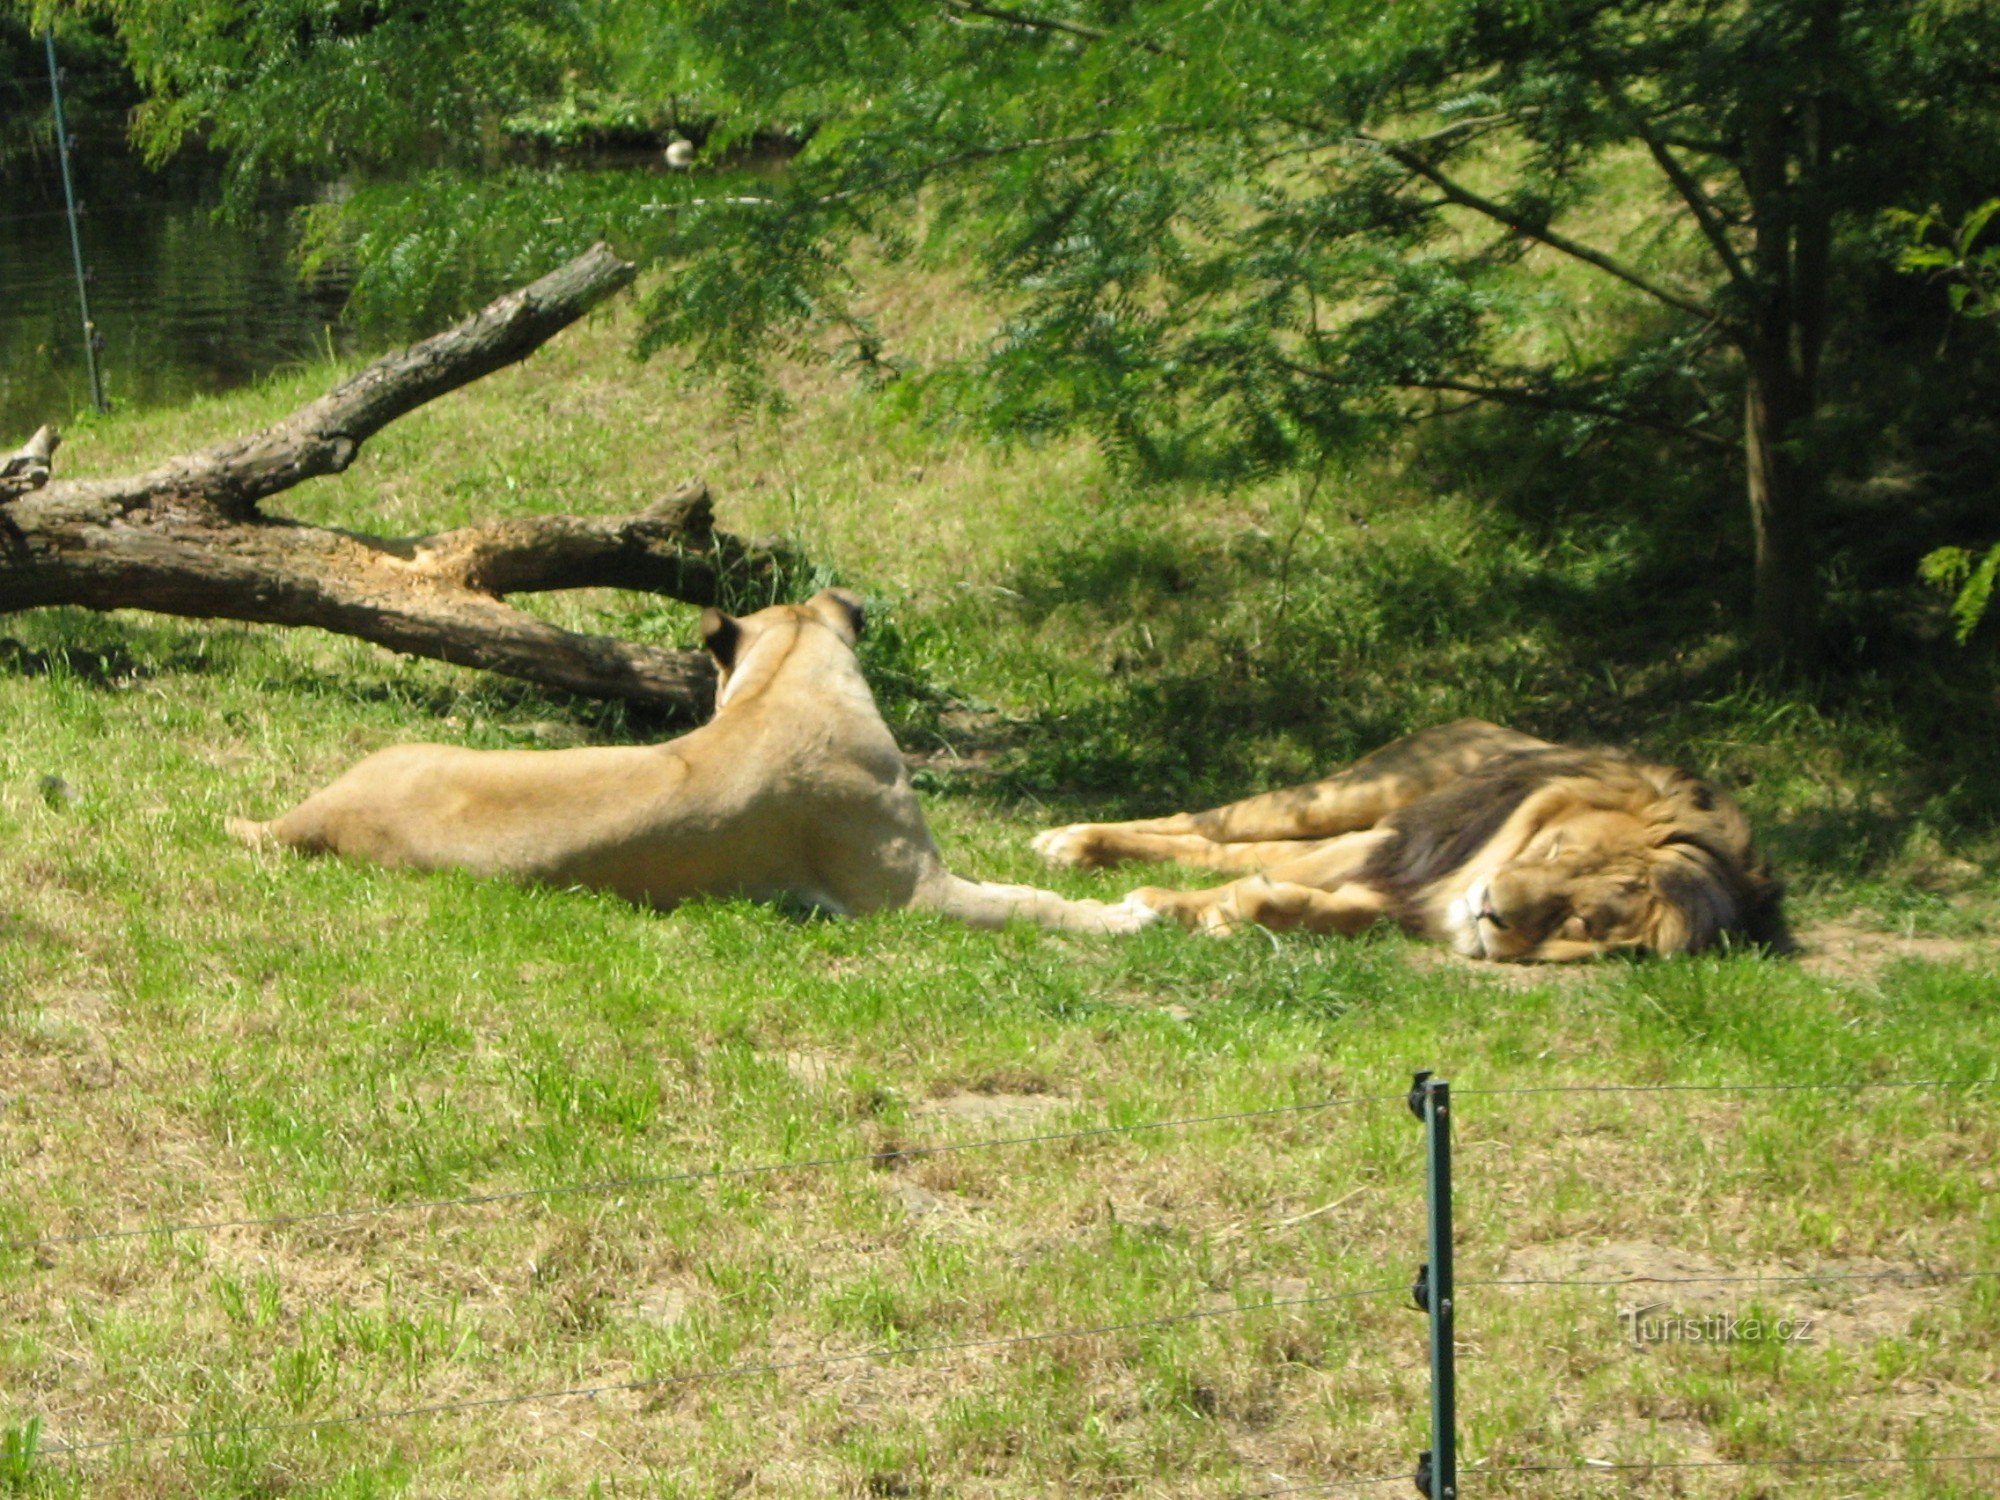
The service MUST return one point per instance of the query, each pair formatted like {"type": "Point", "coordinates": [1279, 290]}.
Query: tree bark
{"type": "Point", "coordinates": [1783, 508]}
{"type": "Point", "coordinates": [1781, 347]}
{"type": "Point", "coordinates": [187, 538]}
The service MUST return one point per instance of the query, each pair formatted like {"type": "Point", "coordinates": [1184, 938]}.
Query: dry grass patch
{"type": "Point", "coordinates": [187, 1031]}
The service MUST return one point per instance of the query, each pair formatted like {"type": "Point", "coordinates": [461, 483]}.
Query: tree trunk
{"type": "Point", "coordinates": [1781, 342]}
{"type": "Point", "coordinates": [187, 538]}
{"type": "Point", "coordinates": [1783, 512]}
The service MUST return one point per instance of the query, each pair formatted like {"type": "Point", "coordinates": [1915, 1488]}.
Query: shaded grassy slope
{"type": "Point", "coordinates": [189, 1031]}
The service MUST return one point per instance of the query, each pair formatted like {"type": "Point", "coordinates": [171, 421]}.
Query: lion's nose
{"type": "Point", "coordinates": [1488, 914]}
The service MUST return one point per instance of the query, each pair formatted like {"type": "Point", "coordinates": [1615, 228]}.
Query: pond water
{"type": "Point", "coordinates": [184, 302]}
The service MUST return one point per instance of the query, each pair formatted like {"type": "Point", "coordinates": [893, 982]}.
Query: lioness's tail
{"type": "Point", "coordinates": [981, 903]}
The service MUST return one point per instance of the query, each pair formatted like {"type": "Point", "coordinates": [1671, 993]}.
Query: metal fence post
{"type": "Point", "coordinates": [75, 239]}
{"type": "Point", "coordinates": [1437, 1469]}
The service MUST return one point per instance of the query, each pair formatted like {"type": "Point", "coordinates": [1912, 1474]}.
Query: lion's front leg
{"type": "Point", "coordinates": [1255, 833]}
{"type": "Point", "coordinates": [1189, 908]}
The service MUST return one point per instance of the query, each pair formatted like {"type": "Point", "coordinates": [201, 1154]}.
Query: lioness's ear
{"type": "Point", "coordinates": [842, 610]}
{"type": "Point", "coordinates": [722, 635]}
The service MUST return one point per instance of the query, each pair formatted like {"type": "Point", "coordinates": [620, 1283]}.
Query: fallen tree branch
{"type": "Point", "coordinates": [187, 538]}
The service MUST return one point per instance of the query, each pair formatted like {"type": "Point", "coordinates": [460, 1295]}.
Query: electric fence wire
{"type": "Point", "coordinates": [889, 1155]}
{"type": "Point", "coordinates": [1601, 1466]}
{"type": "Point", "coordinates": [1730, 1088]}
{"type": "Point", "coordinates": [717, 1373]}
{"type": "Point", "coordinates": [883, 1157]}
{"type": "Point", "coordinates": [670, 1179]}
{"type": "Point", "coordinates": [1312, 1486]}
{"type": "Point", "coordinates": [1915, 1275]}
{"type": "Point", "coordinates": [1593, 1466]}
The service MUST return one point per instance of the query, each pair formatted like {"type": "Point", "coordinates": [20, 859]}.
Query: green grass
{"type": "Point", "coordinates": [187, 1031]}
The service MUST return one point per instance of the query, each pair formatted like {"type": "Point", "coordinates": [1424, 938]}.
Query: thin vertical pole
{"type": "Point", "coordinates": [75, 239]}
{"type": "Point", "coordinates": [1444, 1385]}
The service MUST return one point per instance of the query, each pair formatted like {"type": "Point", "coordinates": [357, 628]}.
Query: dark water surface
{"type": "Point", "coordinates": [184, 302]}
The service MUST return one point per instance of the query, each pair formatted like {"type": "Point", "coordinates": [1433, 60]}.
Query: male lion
{"type": "Point", "coordinates": [795, 788]}
{"type": "Point", "coordinates": [1502, 845]}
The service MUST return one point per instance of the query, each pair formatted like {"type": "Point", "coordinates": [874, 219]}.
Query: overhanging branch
{"type": "Point", "coordinates": [1700, 204]}
{"type": "Point", "coordinates": [1549, 401]}
{"type": "Point", "coordinates": [1054, 24]}
{"type": "Point", "coordinates": [1555, 402]}
{"type": "Point", "coordinates": [325, 436]}
{"type": "Point", "coordinates": [1415, 162]}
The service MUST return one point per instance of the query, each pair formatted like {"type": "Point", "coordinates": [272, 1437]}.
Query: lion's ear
{"type": "Point", "coordinates": [722, 635]}
{"type": "Point", "coordinates": [841, 609]}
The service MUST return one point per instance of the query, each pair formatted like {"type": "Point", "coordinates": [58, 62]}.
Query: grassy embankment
{"type": "Point", "coordinates": [189, 1032]}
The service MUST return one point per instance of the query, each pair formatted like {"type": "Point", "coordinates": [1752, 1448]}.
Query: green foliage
{"type": "Point", "coordinates": [1968, 579]}
{"type": "Point", "coordinates": [427, 247]}
{"type": "Point", "coordinates": [587, 117]}
{"type": "Point", "coordinates": [19, 1447]}
{"type": "Point", "coordinates": [339, 86]}
{"type": "Point", "coordinates": [1972, 274]}
{"type": "Point", "coordinates": [1222, 249]}
{"type": "Point", "coordinates": [1225, 245]}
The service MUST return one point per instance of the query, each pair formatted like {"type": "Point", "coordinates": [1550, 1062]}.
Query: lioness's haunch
{"type": "Point", "coordinates": [1502, 845]}
{"type": "Point", "coordinates": [795, 788]}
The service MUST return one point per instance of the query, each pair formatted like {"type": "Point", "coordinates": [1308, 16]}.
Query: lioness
{"type": "Point", "coordinates": [795, 788]}
{"type": "Point", "coordinates": [1502, 845]}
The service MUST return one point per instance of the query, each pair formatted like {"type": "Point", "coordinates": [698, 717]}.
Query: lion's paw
{"type": "Point", "coordinates": [1075, 845]}
{"type": "Point", "coordinates": [1218, 922]}
{"type": "Point", "coordinates": [1166, 905]}
{"type": "Point", "coordinates": [1129, 916]}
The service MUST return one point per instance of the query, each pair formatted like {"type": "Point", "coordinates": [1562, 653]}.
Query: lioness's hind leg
{"type": "Point", "coordinates": [982, 903]}
{"type": "Point", "coordinates": [1279, 905]}
{"type": "Point", "coordinates": [1093, 845]}
{"type": "Point", "coordinates": [250, 833]}
{"type": "Point", "coordinates": [296, 830]}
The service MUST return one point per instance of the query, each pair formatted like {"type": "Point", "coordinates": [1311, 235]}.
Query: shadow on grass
{"type": "Point", "coordinates": [109, 653]}
{"type": "Point", "coordinates": [1542, 595]}
{"type": "Point", "coordinates": [109, 667]}
{"type": "Point", "coordinates": [112, 652]}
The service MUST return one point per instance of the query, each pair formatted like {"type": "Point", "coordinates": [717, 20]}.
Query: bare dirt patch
{"type": "Point", "coordinates": [1612, 1441]}
{"type": "Point", "coordinates": [1841, 951]}
{"type": "Point", "coordinates": [1857, 1300]}
{"type": "Point", "coordinates": [1428, 958]}
{"type": "Point", "coordinates": [812, 1069]}
{"type": "Point", "coordinates": [936, 1211]}
{"type": "Point", "coordinates": [996, 1108]}
{"type": "Point", "coordinates": [1846, 951]}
